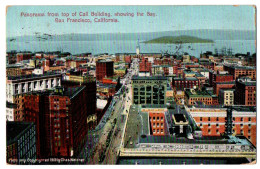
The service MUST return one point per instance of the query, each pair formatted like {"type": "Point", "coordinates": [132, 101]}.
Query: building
{"type": "Point", "coordinates": [145, 67]}
{"type": "Point", "coordinates": [106, 90]}
{"type": "Point", "coordinates": [157, 119]}
{"type": "Point", "coordinates": [245, 93]}
{"type": "Point", "coordinates": [226, 97]}
{"type": "Point", "coordinates": [20, 142]}
{"type": "Point", "coordinates": [149, 90]}
{"type": "Point", "coordinates": [10, 109]}
{"type": "Point", "coordinates": [23, 56]}
{"type": "Point", "coordinates": [62, 120]}
{"type": "Point", "coordinates": [104, 69]}
{"type": "Point", "coordinates": [212, 120]}
{"type": "Point", "coordinates": [17, 86]}
{"type": "Point", "coordinates": [193, 96]}
{"type": "Point", "coordinates": [11, 57]}
{"type": "Point", "coordinates": [240, 71]}
{"type": "Point", "coordinates": [216, 77]}
{"type": "Point", "coordinates": [223, 85]}
{"type": "Point", "coordinates": [183, 83]}
{"type": "Point", "coordinates": [186, 58]}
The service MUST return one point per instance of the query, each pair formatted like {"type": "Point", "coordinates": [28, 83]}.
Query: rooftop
{"type": "Point", "coordinates": [197, 93]}
{"type": "Point", "coordinates": [15, 129]}
{"type": "Point", "coordinates": [203, 140]}
{"type": "Point", "coordinates": [33, 76]}
{"type": "Point", "coordinates": [149, 78]}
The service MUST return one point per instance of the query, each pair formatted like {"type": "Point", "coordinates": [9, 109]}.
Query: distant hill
{"type": "Point", "coordinates": [213, 34]}
{"type": "Point", "coordinates": [179, 39]}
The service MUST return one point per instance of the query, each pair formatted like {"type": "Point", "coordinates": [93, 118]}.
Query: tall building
{"type": "Point", "coordinates": [149, 90]}
{"type": "Point", "coordinates": [104, 69]}
{"type": "Point", "coordinates": [245, 93]}
{"type": "Point", "coordinates": [20, 142]}
{"type": "Point", "coordinates": [17, 86]}
{"type": "Point", "coordinates": [62, 120]}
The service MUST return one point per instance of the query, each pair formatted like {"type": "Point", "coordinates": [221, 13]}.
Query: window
{"type": "Point", "coordinates": [241, 119]}
{"type": "Point", "coordinates": [217, 119]}
{"type": "Point", "coordinates": [200, 118]}
{"type": "Point", "coordinates": [249, 118]}
{"type": "Point", "coordinates": [209, 125]}
{"type": "Point", "coordinates": [208, 118]}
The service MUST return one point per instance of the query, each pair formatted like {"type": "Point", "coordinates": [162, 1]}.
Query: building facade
{"type": "Point", "coordinates": [149, 90]}
{"type": "Point", "coordinates": [212, 120]}
{"type": "Point", "coordinates": [245, 93]}
{"type": "Point", "coordinates": [17, 86]}
{"type": "Point", "coordinates": [20, 142]}
{"type": "Point", "coordinates": [104, 69]}
{"type": "Point", "coordinates": [226, 97]}
{"type": "Point", "coordinates": [61, 118]}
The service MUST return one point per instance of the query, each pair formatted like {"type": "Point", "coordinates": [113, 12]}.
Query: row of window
{"type": "Point", "coordinates": [158, 125]}
{"type": "Point", "coordinates": [158, 131]}
{"type": "Point", "coordinates": [217, 125]}
{"type": "Point", "coordinates": [234, 119]}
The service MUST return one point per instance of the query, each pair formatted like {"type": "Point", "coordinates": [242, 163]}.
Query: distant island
{"type": "Point", "coordinates": [179, 39]}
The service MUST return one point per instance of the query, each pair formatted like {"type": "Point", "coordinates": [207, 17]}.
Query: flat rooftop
{"type": "Point", "coordinates": [203, 140]}
{"type": "Point", "coordinates": [33, 76]}
{"type": "Point", "coordinates": [15, 129]}
{"type": "Point", "coordinates": [149, 78]}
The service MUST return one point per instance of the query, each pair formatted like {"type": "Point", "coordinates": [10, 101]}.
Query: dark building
{"type": "Point", "coordinates": [215, 77]}
{"type": "Point", "coordinates": [245, 93]}
{"type": "Point", "coordinates": [183, 83]}
{"type": "Point", "coordinates": [104, 69]}
{"type": "Point", "coordinates": [20, 142]}
{"type": "Point", "coordinates": [62, 120]}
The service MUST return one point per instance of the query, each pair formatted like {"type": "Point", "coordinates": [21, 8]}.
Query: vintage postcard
{"type": "Point", "coordinates": [130, 85]}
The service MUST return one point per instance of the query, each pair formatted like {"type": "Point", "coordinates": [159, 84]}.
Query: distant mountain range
{"type": "Point", "coordinates": [179, 39]}
{"type": "Point", "coordinates": [212, 34]}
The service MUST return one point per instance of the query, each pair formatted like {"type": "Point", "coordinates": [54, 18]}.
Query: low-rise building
{"type": "Point", "coordinates": [226, 97]}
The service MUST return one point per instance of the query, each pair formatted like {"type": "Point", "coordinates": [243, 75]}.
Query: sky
{"type": "Point", "coordinates": [168, 18]}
